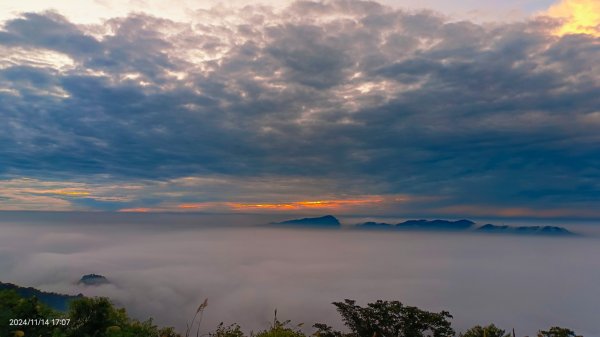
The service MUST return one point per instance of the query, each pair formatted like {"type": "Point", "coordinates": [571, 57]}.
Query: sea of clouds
{"type": "Point", "coordinates": [164, 266]}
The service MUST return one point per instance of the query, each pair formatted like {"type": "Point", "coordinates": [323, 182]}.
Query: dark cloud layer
{"type": "Point", "coordinates": [399, 102]}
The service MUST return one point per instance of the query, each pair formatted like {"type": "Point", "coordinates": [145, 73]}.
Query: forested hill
{"type": "Point", "coordinates": [55, 301]}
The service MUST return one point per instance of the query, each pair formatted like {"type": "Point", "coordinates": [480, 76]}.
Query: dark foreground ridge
{"type": "Point", "coordinates": [98, 317]}
{"type": "Point", "coordinates": [323, 221]}
{"type": "Point", "coordinates": [55, 301]}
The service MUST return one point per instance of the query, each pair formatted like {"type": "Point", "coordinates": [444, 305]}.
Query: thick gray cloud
{"type": "Point", "coordinates": [48, 30]}
{"type": "Point", "coordinates": [399, 102]}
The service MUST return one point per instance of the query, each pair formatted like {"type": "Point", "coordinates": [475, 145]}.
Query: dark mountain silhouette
{"type": "Point", "coordinates": [375, 225]}
{"type": "Point", "coordinates": [93, 280]}
{"type": "Point", "coordinates": [435, 225]}
{"type": "Point", "coordinates": [489, 228]}
{"type": "Point", "coordinates": [526, 230]}
{"type": "Point", "coordinates": [56, 301]}
{"type": "Point", "coordinates": [329, 221]}
{"type": "Point", "coordinates": [324, 221]}
{"type": "Point", "coordinates": [465, 225]}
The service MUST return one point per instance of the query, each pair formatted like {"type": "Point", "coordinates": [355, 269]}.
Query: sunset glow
{"type": "Point", "coordinates": [68, 193]}
{"type": "Point", "coordinates": [136, 210]}
{"type": "Point", "coordinates": [579, 16]}
{"type": "Point", "coordinates": [309, 204]}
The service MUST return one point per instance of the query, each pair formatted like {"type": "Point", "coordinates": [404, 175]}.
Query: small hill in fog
{"type": "Point", "coordinates": [93, 280]}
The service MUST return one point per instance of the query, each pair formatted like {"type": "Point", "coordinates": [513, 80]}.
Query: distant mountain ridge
{"type": "Point", "coordinates": [534, 230]}
{"type": "Point", "coordinates": [56, 301]}
{"type": "Point", "coordinates": [328, 221]}
{"type": "Point", "coordinates": [466, 225]}
{"type": "Point", "coordinates": [437, 225]}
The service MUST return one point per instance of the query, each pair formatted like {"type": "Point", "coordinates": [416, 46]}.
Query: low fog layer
{"type": "Point", "coordinates": [165, 271]}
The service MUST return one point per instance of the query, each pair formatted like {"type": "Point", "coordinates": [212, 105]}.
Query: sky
{"type": "Point", "coordinates": [347, 107]}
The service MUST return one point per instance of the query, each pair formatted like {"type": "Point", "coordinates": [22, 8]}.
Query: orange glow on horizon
{"type": "Point", "coordinates": [322, 204]}
{"type": "Point", "coordinates": [580, 17]}
{"type": "Point", "coordinates": [309, 204]}
{"type": "Point", "coordinates": [201, 205]}
{"type": "Point", "coordinates": [136, 210]}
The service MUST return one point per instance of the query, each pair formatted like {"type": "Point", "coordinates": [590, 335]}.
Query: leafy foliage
{"type": "Point", "coordinates": [389, 319]}
{"type": "Point", "coordinates": [233, 330]}
{"type": "Point", "coordinates": [13, 306]}
{"type": "Point", "coordinates": [89, 317]}
{"type": "Point", "coordinates": [485, 331]}
{"type": "Point", "coordinates": [281, 329]}
{"type": "Point", "coordinates": [557, 332]}
{"type": "Point", "coordinates": [324, 330]}
{"type": "Point", "coordinates": [97, 317]}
